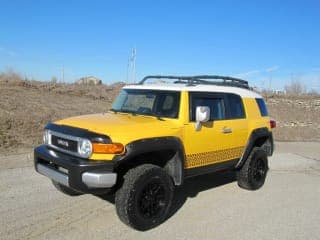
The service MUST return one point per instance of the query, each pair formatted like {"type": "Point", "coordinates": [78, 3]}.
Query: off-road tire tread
{"type": "Point", "coordinates": [243, 175]}
{"type": "Point", "coordinates": [124, 196]}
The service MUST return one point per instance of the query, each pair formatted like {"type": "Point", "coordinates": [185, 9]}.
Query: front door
{"type": "Point", "coordinates": [220, 139]}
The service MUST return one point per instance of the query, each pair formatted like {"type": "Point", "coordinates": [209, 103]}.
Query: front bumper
{"type": "Point", "coordinates": [79, 174]}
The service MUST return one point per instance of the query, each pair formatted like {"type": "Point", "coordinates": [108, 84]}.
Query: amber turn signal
{"type": "Point", "coordinates": [113, 148]}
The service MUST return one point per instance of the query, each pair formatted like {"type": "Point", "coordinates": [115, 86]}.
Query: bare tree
{"type": "Point", "coordinates": [295, 88]}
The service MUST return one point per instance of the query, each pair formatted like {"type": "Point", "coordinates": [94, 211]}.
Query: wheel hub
{"type": "Point", "coordinates": [259, 170]}
{"type": "Point", "coordinates": [152, 200]}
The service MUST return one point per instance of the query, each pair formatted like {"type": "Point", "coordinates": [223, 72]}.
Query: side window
{"type": "Point", "coordinates": [262, 107]}
{"type": "Point", "coordinates": [216, 105]}
{"type": "Point", "coordinates": [235, 106]}
{"type": "Point", "coordinates": [168, 105]}
{"type": "Point", "coordinates": [168, 102]}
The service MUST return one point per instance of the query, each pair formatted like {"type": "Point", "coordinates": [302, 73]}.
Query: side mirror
{"type": "Point", "coordinates": [202, 115]}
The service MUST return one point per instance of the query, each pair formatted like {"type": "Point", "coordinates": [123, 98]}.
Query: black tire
{"type": "Point", "coordinates": [66, 190]}
{"type": "Point", "coordinates": [253, 173]}
{"type": "Point", "coordinates": [145, 198]}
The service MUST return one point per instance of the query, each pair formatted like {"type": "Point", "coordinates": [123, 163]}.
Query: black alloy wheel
{"type": "Point", "coordinates": [144, 199]}
{"type": "Point", "coordinates": [253, 173]}
{"type": "Point", "coordinates": [152, 199]}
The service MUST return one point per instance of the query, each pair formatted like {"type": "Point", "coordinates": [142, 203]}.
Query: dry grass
{"type": "Point", "coordinates": [26, 106]}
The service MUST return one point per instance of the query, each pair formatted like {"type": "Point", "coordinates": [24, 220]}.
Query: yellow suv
{"type": "Point", "coordinates": [158, 133]}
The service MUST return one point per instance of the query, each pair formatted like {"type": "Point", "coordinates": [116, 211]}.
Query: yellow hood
{"type": "Point", "coordinates": [123, 127]}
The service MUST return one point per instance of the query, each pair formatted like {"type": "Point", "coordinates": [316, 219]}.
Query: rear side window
{"type": "Point", "coordinates": [262, 107]}
{"type": "Point", "coordinates": [235, 106]}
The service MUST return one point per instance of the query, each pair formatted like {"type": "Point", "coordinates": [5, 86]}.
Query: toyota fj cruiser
{"type": "Point", "coordinates": [155, 136]}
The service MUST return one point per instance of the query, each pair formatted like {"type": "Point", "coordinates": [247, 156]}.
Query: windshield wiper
{"type": "Point", "coordinates": [159, 117]}
{"type": "Point", "coordinates": [123, 111]}
{"type": "Point", "coordinates": [127, 111]}
{"type": "Point", "coordinates": [113, 110]}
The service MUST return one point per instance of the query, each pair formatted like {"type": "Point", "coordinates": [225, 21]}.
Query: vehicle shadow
{"type": "Point", "coordinates": [191, 188]}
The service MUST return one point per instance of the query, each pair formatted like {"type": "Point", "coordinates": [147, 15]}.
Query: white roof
{"type": "Point", "coordinates": [197, 88]}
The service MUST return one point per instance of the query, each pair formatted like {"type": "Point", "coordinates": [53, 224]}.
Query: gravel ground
{"type": "Point", "coordinates": [206, 207]}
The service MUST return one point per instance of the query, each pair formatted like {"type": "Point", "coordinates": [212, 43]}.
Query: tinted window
{"type": "Point", "coordinates": [148, 102]}
{"type": "Point", "coordinates": [216, 106]}
{"type": "Point", "coordinates": [167, 105]}
{"type": "Point", "coordinates": [236, 106]}
{"type": "Point", "coordinates": [262, 107]}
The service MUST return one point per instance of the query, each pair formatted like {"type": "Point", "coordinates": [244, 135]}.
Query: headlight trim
{"type": "Point", "coordinates": [85, 148]}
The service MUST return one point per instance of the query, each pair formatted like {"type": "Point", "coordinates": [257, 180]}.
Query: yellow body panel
{"type": "Point", "coordinates": [207, 146]}
{"type": "Point", "coordinates": [124, 128]}
{"type": "Point", "coordinates": [207, 158]}
{"type": "Point", "coordinates": [254, 118]}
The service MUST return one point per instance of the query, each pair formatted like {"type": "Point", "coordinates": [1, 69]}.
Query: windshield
{"type": "Point", "coordinates": [148, 102]}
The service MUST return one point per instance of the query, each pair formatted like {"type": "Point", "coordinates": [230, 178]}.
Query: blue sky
{"type": "Point", "coordinates": [266, 42]}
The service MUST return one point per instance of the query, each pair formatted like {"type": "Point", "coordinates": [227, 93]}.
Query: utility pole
{"type": "Point", "coordinates": [131, 67]}
{"type": "Point", "coordinates": [134, 54]}
{"type": "Point", "coordinates": [128, 67]}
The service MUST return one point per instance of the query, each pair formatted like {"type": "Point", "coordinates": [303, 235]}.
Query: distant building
{"type": "Point", "coordinates": [279, 92]}
{"type": "Point", "coordinates": [89, 81]}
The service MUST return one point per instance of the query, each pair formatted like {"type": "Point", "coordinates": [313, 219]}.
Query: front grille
{"type": "Point", "coordinates": [64, 143]}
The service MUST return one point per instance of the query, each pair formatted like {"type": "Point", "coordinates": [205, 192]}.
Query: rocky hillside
{"type": "Point", "coordinates": [298, 118]}
{"type": "Point", "coordinates": [26, 106]}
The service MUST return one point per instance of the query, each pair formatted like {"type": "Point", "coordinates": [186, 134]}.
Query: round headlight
{"type": "Point", "coordinates": [85, 148]}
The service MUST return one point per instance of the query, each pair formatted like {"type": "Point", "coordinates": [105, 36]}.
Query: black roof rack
{"type": "Point", "coordinates": [202, 79]}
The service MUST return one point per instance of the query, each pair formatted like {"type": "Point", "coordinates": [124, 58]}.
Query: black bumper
{"type": "Point", "coordinates": [71, 167]}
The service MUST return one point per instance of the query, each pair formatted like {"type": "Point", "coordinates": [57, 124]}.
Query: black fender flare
{"type": "Point", "coordinates": [175, 165]}
{"type": "Point", "coordinates": [259, 133]}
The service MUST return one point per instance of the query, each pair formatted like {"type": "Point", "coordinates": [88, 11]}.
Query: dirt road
{"type": "Point", "coordinates": [207, 207]}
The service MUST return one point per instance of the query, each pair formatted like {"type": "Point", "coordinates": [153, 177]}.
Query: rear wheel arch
{"type": "Point", "coordinates": [260, 137]}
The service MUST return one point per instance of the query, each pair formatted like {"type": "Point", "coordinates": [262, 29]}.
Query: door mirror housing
{"type": "Point", "coordinates": [202, 115]}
